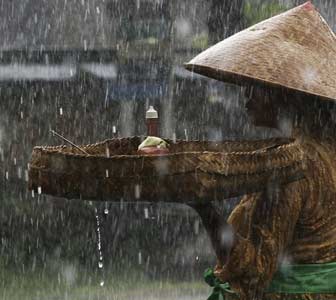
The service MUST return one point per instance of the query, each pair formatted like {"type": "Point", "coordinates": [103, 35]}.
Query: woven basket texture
{"type": "Point", "coordinates": [191, 171]}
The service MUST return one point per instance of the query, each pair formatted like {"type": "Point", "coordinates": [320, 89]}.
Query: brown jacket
{"type": "Point", "coordinates": [296, 222]}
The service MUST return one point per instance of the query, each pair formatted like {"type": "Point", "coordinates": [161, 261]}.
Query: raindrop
{"type": "Point", "coordinates": [174, 137]}
{"type": "Point", "coordinates": [139, 258]}
{"type": "Point", "coordinates": [21, 115]}
{"type": "Point", "coordinates": [99, 245]}
{"type": "Point", "coordinates": [26, 175]}
{"type": "Point", "coordinates": [106, 211]}
{"type": "Point", "coordinates": [39, 190]}
{"type": "Point", "coordinates": [107, 173]}
{"type": "Point", "coordinates": [196, 226]}
{"type": "Point", "coordinates": [227, 236]}
{"type": "Point", "coordinates": [114, 129]}
{"type": "Point", "coordinates": [137, 191]}
{"type": "Point", "coordinates": [186, 134]}
{"type": "Point", "coordinates": [61, 111]}
{"type": "Point", "coordinates": [7, 175]}
{"type": "Point", "coordinates": [146, 213]}
{"type": "Point", "coordinates": [33, 193]}
{"type": "Point", "coordinates": [107, 150]}
{"type": "Point", "coordinates": [19, 172]}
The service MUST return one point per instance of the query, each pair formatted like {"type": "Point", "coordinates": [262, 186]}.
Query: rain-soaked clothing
{"type": "Point", "coordinates": [289, 279]}
{"type": "Point", "coordinates": [292, 224]}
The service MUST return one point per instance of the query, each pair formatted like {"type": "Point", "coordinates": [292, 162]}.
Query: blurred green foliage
{"type": "Point", "coordinates": [255, 13]}
{"type": "Point", "coordinates": [200, 42]}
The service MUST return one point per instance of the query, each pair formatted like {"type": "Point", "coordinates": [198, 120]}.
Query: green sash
{"type": "Point", "coordinates": [290, 279]}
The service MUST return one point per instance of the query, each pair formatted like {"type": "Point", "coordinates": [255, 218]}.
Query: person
{"type": "Point", "coordinates": [291, 224]}
{"type": "Point", "coordinates": [280, 243]}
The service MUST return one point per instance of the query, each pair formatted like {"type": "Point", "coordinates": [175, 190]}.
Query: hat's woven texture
{"type": "Point", "coordinates": [295, 50]}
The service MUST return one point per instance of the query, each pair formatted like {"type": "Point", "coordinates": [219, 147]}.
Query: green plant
{"type": "Point", "coordinates": [255, 13]}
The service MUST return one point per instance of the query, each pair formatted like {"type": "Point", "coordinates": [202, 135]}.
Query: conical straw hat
{"type": "Point", "coordinates": [295, 50]}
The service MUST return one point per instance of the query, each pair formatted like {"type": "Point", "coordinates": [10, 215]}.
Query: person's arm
{"type": "Point", "coordinates": [264, 227]}
{"type": "Point", "coordinates": [218, 230]}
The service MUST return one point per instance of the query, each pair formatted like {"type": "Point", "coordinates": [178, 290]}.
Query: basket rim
{"type": "Point", "coordinates": [56, 150]}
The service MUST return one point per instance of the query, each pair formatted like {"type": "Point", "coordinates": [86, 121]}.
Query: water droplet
{"type": "Point", "coordinates": [174, 137]}
{"type": "Point", "coordinates": [114, 129]}
{"type": "Point", "coordinates": [146, 213]}
{"type": "Point", "coordinates": [107, 173]}
{"type": "Point", "coordinates": [7, 175]}
{"type": "Point", "coordinates": [196, 226]}
{"type": "Point", "coordinates": [197, 258]}
{"type": "Point", "coordinates": [107, 150]}
{"type": "Point", "coordinates": [61, 111]}
{"type": "Point", "coordinates": [21, 115]}
{"type": "Point", "coordinates": [33, 193]}
{"type": "Point", "coordinates": [106, 211]}
{"type": "Point", "coordinates": [14, 161]}
{"type": "Point", "coordinates": [140, 258]}
{"type": "Point", "coordinates": [39, 190]}
{"type": "Point", "coordinates": [19, 172]}
{"type": "Point", "coordinates": [99, 245]}
{"type": "Point", "coordinates": [137, 191]}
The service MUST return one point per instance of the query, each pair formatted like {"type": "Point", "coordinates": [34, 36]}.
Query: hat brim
{"type": "Point", "coordinates": [244, 81]}
{"type": "Point", "coordinates": [295, 50]}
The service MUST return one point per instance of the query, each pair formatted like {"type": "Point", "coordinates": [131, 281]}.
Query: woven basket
{"type": "Point", "coordinates": [295, 50]}
{"type": "Point", "coordinates": [192, 171]}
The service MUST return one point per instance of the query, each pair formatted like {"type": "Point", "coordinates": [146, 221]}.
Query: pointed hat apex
{"type": "Point", "coordinates": [295, 50]}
